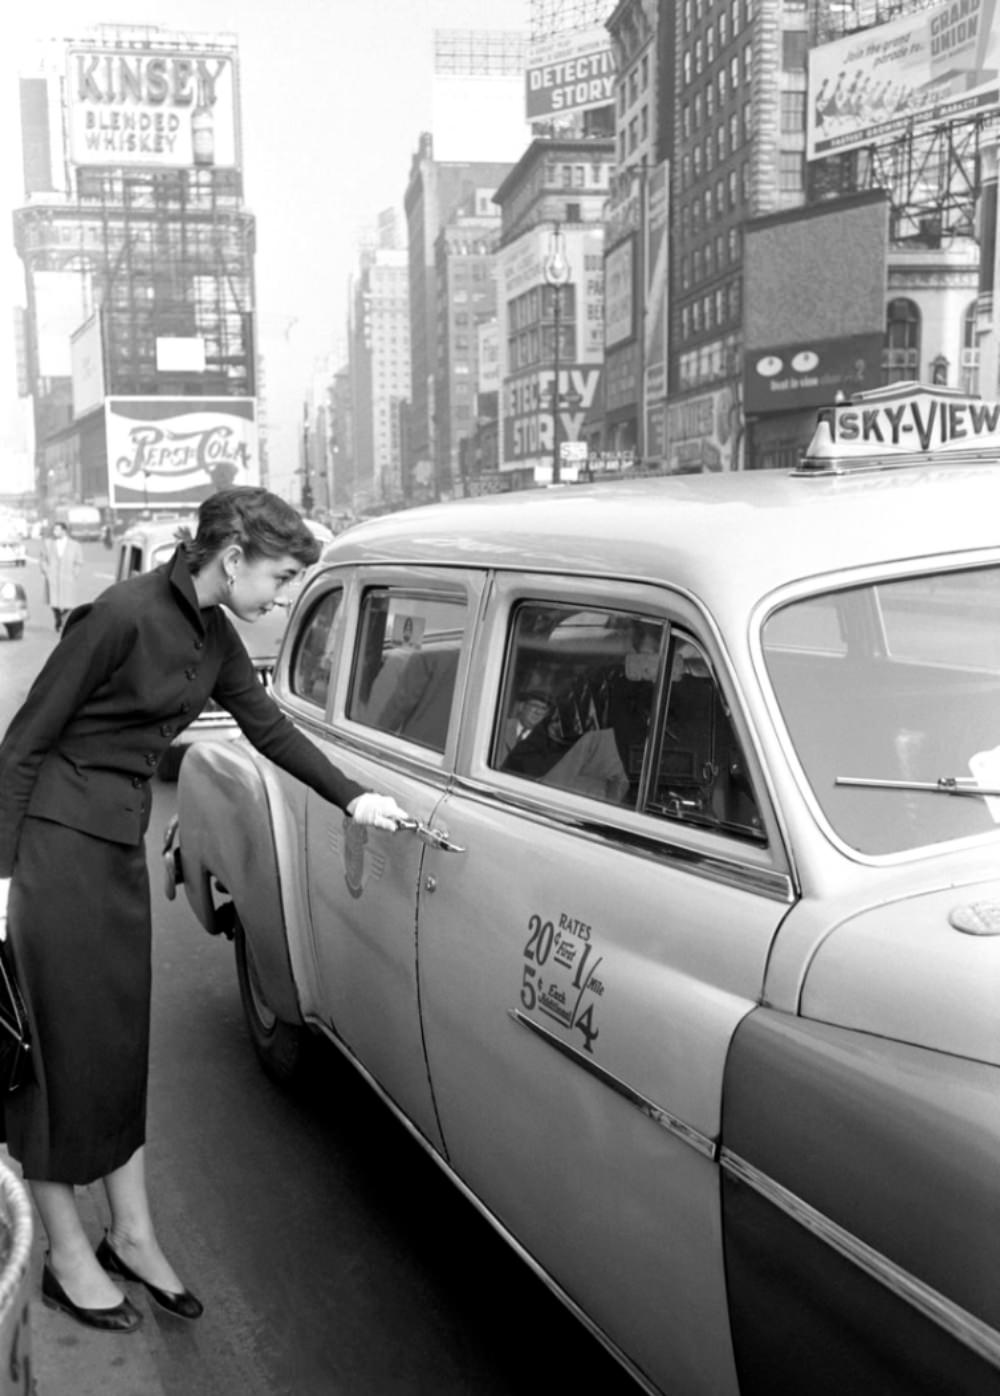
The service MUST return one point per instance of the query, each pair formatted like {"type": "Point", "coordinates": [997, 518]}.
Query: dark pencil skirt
{"type": "Point", "coordinates": [79, 928]}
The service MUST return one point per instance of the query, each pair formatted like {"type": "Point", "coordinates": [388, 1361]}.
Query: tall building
{"type": "Point", "coordinates": [435, 191]}
{"type": "Point", "coordinates": [550, 304]}
{"type": "Point", "coordinates": [466, 300]}
{"type": "Point", "coordinates": [379, 347]}
{"type": "Point", "coordinates": [138, 258]}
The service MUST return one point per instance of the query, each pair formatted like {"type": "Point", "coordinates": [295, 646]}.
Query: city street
{"type": "Point", "coordinates": [331, 1253]}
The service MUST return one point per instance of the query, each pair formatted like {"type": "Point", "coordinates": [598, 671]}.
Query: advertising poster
{"type": "Point", "coordinates": [811, 374]}
{"type": "Point", "coordinates": [87, 362]}
{"type": "Point", "coordinates": [138, 106]}
{"type": "Point", "coordinates": [619, 293]}
{"type": "Point", "coordinates": [933, 65]}
{"type": "Point", "coordinates": [657, 282]}
{"type": "Point", "coordinates": [569, 72]}
{"type": "Point", "coordinates": [701, 432]}
{"type": "Point", "coordinates": [527, 410]}
{"type": "Point", "coordinates": [176, 451]}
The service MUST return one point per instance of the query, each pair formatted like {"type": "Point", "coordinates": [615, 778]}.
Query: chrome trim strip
{"type": "Point", "coordinates": [685, 1132]}
{"type": "Point", "coordinates": [958, 1323]}
{"type": "Point", "coordinates": [749, 877]}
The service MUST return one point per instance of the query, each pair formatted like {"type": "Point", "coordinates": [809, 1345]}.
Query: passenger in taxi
{"type": "Point", "coordinates": [132, 669]}
{"type": "Point", "coordinates": [532, 707]}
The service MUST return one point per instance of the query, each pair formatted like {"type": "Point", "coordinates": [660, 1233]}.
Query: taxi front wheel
{"type": "Point", "coordinates": [280, 1047]}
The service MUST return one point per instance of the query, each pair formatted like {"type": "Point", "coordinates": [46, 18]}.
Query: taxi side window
{"type": "Point", "coordinates": [578, 700]}
{"type": "Point", "coordinates": [699, 771]}
{"type": "Point", "coordinates": [407, 662]}
{"type": "Point", "coordinates": [312, 661]}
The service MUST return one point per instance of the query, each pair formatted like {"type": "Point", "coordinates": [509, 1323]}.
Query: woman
{"type": "Point", "coordinates": [60, 562]}
{"type": "Point", "coordinates": [133, 668]}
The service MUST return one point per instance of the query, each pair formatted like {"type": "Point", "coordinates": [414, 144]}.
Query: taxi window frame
{"type": "Point", "coordinates": [768, 861]}
{"type": "Point", "coordinates": [418, 578]}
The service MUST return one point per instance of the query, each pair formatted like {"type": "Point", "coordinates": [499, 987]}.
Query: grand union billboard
{"type": "Point", "coordinates": [937, 64]}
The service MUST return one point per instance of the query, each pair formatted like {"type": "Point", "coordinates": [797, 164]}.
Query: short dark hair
{"type": "Point", "coordinates": [262, 523]}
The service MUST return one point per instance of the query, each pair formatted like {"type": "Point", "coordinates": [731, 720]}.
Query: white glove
{"type": "Point", "coordinates": [377, 811]}
{"type": "Point", "coordinates": [4, 894]}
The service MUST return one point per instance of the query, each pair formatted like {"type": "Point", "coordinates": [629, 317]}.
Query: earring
{"type": "Point", "coordinates": [230, 580]}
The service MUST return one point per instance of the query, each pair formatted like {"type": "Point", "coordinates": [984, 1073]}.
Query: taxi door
{"type": "Point", "coordinates": [394, 657]}
{"type": "Point", "coordinates": [583, 967]}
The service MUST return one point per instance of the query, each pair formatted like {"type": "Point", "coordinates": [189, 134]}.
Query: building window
{"type": "Point", "coordinates": [645, 71]}
{"type": "Point", "coordinates": [687, 67]}
{"type": "Point", "coordinates": [633, 87]}
{"type": "Point", "coordinates": [709, 100]}
{"type": "Point", "coordinates": [699, 56]}
{"type": "Point", "coordinates": [723, 30]}
{"type": "Point", "coordinates": [901, 348]}
{"type": "Point", "coordinates": [720, 144]}
{"type": "Point", "coordinates": [791, 174]}
{"type": "Point", "coordinates": [734, 132]}
{"type": "Point", "coordinates": [697, 110]}
{"type": "Point", "coordinates": [794, 47]}
{"type": "Point", "coordinates": [644, 122]}
{"type": "Point", "coordinates": [970, 352]}
{"type": "Point", "coordinates": [793, 112]}
{"type": "Point", "coordinates": [686, 120]}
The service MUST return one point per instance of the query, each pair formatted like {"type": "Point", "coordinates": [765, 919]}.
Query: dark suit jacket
{"type": "Point", "coordinates": [132, 669]}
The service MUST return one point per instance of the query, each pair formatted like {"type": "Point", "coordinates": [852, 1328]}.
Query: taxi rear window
{"type": "Point", "coordinates": [407, 663]}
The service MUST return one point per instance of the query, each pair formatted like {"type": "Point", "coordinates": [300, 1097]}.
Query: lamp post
{"type": "Point", "coordinates": [555, 269]}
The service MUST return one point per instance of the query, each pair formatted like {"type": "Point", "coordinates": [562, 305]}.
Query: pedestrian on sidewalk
{"type": "Point", "coordinates": [132, 669]}
{"type": "Point", "coordinates": [60, 562]}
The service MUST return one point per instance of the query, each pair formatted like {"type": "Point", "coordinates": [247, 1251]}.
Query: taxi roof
{"type": "Point", "coordinates": [728, 538]}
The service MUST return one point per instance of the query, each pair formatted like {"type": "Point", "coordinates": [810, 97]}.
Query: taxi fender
{"type": "Point", "coordinates": [859, 1176]}
{"type": "Point", "coordinates": [229, 806]}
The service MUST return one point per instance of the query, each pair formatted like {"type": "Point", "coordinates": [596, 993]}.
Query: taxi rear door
{"type": "Point", "coordinates": [583, 967]}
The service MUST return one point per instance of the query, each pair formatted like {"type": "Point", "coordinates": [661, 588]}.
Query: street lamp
{"type": "Point", "coordinates": [555, 269]}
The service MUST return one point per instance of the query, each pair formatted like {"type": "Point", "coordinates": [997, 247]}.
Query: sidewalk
{"type": "Point", "coordinates": [68, 1359]}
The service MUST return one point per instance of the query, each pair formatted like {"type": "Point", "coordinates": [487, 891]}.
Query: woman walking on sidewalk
{"type": "Point", "coordinates": [132, 669]}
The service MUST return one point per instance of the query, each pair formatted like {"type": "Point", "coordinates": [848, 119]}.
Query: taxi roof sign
{"type": "Point", "coordinates": [903, 424]}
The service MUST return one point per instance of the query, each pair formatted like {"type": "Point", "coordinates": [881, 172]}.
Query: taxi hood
{"type": "Point", "coordinates": [924, 969]}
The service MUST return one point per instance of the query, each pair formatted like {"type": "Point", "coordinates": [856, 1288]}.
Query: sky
{"type": "Point", "coordinates": [334, 96]}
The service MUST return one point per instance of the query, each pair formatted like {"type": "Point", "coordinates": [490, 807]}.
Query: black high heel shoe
{"type": "Point", "coordinates": [122, 1318]}
{"type": "Point", "coordinates": [182, 1305]}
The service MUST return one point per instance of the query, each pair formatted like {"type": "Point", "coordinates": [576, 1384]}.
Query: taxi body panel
{"type": "Point", "coordinates": [674, 1033]}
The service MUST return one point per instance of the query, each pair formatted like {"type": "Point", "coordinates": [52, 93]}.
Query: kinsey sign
{"type": "Point", "coordinates": [142, 107]}
{"type": "Point", "coordinates": [890, 422]}
{"type": "Point", "coordinates": [178, 450]}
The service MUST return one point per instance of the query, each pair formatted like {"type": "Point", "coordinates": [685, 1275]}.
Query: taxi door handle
{"type": "Point", "coordinates": [437, 838]}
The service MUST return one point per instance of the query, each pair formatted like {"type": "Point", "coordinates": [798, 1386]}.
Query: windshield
{"type": "Point", "coordinates": [895, 681]}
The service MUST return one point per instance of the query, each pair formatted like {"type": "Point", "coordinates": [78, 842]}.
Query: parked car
{"type": "Point", "coordinates": [13, 550]}
{"type": "Point", "coordinates": [148, 545]}
{"type": "Point", "coordinates": [694, 986]}
{"type": "Point", "coordinates": [13, 608]}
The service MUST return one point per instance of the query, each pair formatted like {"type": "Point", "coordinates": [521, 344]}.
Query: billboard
{"type": "Point", "coordinates": [811, 373]}
{"type": "Point", "coordinates": [569, 72]}
{"type": "Point", "coordinates": [488, 337]}
{"type": "Point", "coordinates": [143, 106]}
{"type": "Point", "coordinates": [619, 293]}
{"type": "Point", "coordinates": [656, 319]}
{"type": "Point", "coordinates": [87, 361]}
{"type": "Point", "coordinates": [527, 409]}
{"type": "Point", "coordinates": [701, 433]}
{"type": "Point", "coordinates": [176, 451]}
{"type": "Point", "coordinates": [60, 305]}
{"type": "Point", "coordinates": [934, 65]}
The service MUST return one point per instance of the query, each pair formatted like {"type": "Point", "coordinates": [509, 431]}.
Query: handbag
{"type": "Point", "coordinates": [15, 1040]}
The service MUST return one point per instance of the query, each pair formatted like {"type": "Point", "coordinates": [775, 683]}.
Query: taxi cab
{"type": "Point", "coordinates": [688, 969]}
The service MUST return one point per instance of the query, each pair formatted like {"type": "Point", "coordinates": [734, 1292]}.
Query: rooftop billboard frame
{"type": "Point", "coordinates": [939, 64]}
